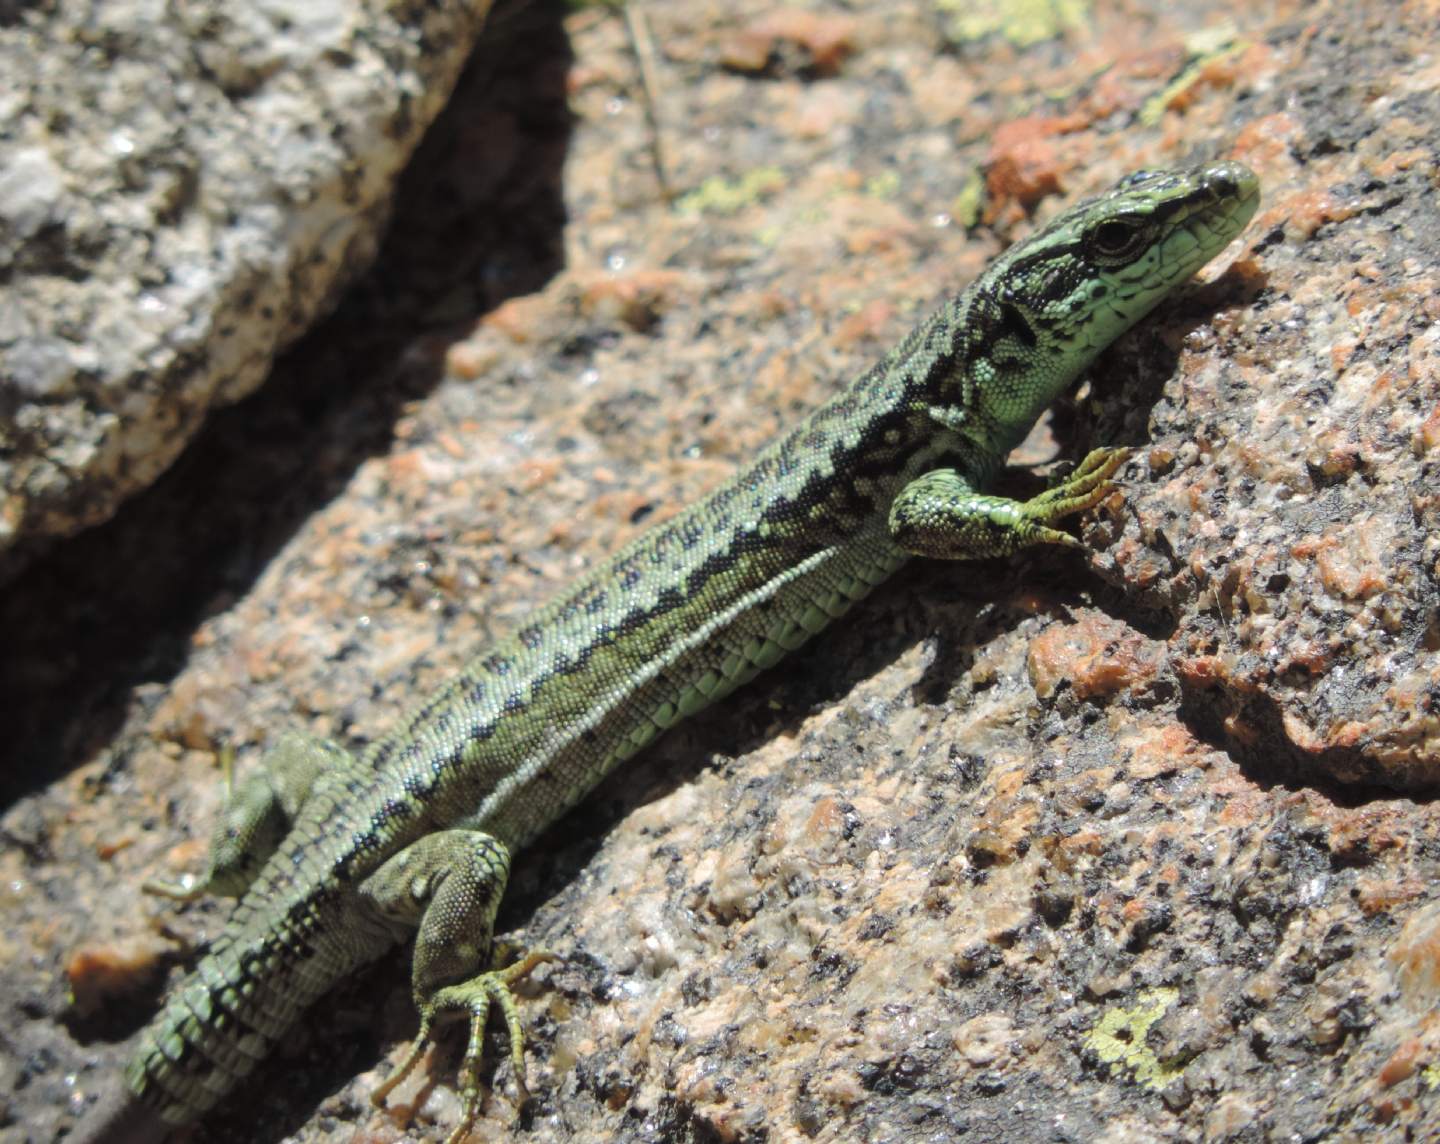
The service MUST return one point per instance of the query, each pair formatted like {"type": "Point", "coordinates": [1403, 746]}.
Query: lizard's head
{"type": "Point", "coordinates": [1103, 264]}
{"type": "Point", "coordinates": [1046, 307]}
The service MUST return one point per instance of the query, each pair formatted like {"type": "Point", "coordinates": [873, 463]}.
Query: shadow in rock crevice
{"type": "Point", "coordinates": [1249, 726]}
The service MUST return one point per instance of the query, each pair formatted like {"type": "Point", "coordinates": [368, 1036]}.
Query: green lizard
{"type": "Point", "coordinates": [336, 859]}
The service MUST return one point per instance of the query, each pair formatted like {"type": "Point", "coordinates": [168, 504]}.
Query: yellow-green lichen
{"type": "Point", "coordinates": [883, 186]}
{"type": "Point", "coordinates": [1430, 1075]}
{"type": "Point", "coordinates": [1203, 48]}
{"type": "Point", "coordinates": [966, 208]}
{"type": "Point", "coordinates": [730, 196]}
{"type": "Point", "coordinates": [1022, 22]}
{"type": "Point", "coordinates": [1119, 1038]}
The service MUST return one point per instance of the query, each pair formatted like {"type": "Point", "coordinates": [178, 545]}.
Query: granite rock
{"type": "Point", "coordinates": [183, 190]}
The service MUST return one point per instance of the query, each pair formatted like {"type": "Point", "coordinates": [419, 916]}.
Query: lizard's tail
{"type": "Point", "coordinates": [213, 1031]}
{"type": "Point", "coordinates": [226, 1017]}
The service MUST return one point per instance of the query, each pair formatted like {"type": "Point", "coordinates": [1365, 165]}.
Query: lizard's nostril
{"type": "Point", "coordinates": [1231, 180]}
{"type": "Point", "coordinates": [1224, 184]}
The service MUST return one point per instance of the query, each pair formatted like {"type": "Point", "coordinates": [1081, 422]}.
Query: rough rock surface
{"type": "Point", "coordinates": [1136, 848]}
{"type": "Point", "coordinates": [183, 190]}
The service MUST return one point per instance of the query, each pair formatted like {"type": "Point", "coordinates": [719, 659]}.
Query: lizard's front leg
{"type": "Point", "coordinates": [941, 514]}
{"type": "Point", "coordinates": [450, 883]}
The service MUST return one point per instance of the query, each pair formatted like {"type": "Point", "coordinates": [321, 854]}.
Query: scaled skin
{"type": "Point", "coordinates": [416, 837]}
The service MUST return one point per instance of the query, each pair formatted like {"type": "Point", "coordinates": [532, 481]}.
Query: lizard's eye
{"type": "Point", "coordinates": [1115, 238]}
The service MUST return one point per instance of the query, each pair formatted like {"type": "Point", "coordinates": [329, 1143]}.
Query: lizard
{"type": "Point", "coordinates": [336, 858]}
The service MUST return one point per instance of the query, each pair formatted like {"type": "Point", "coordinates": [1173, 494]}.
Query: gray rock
{"type": "Point", "coordinates": [183, 190]}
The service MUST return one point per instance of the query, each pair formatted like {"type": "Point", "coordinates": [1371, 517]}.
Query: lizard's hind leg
{"type": "Point", "coordinates": [450, 883]}
{"type": "Point", "coordinates": [258, 813]}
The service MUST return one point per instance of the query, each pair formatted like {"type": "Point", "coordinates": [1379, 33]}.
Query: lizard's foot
{"type": "Point", "coordinates": [471, 1000]}
{"type": "Point", "coordinates": [1086, 487]}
